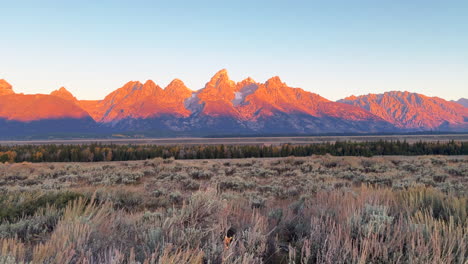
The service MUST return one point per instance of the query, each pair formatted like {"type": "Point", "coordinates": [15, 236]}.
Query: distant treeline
{"type": "Point", "coordinates": [102, 152]}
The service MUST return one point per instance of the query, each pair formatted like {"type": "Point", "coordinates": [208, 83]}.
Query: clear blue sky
{"type": "Point", "coordinates": [333, 48]}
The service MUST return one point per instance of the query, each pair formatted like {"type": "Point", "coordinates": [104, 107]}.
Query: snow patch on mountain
{"type": "Point", "coordinates": [193, 103]}
{"type": "Point", "coordinates": [243, 93]}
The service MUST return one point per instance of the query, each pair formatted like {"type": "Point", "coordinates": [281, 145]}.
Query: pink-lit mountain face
{"type": "Point", "coordinates": [225, 107]}
{"type": "Point", "coordinates": [5, 88]}
{"type": "Point", "coordinates": [140, 101]}
{"type": "Point", "coordinates": [64, 94]}
{"type": "Point", "coordinates": [35, 107]}
{"type": "Point", "coordinates": [24, 115]}
{"type": "Point", "coordinates": [413, 111]}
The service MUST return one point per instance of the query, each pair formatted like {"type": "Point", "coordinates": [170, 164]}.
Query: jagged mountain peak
{"type": "Point", "coordinates": [220, 81]}
{"type": "Point", "coordinates": [140, 101]}
{"type": "Point", "coordinates": [5, 88]}
{"type": "Point", "coordinates": [412, 110]}
{"type": "Point", "coordinates": [132, 84]}
{"type": "Point", "coordinates": [223, 73]}
{"type": "Point", "coordinates": [351, 97]}
{"type": "Point", "coordinates": [274, 82]}
{"type": "Point", "coordinates": [150, 83]}
{"type": "Point", "coordinates": [177, 88]}
{"type": "Point", "coordinates": [63, 93]}
{"type": "Point", "coordinates": [151, 88]}
{"type": "Point", "coordinates": [245, 82]}
{"type": "Point", "coordinates": [462, 101]}
{"type": "Point", "coordinates": [219, 88]}
{"type": "Point", "coordinates": [137, 88]}
{"type": "Point", "coordinates": [399, 93]}
{"type": "Point", "coordinates": [238, 107]}
{"type": "Point", "coordinates": [176, 82]}
{"type": "Point", "coordinates": [62, 89]}
{"type": "Point", "coordinates": [395, 94]}
{"type": "Point", "coordinates": [244, 88]}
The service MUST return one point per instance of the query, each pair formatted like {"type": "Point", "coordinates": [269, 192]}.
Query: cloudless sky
{"type": "Point", "coordinates": [333, 48]}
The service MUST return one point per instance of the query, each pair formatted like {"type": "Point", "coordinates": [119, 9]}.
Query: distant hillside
{"type": "Point", "coordinates": [414, 111]}
{"type": "Point", "coordinates": [462, 101]}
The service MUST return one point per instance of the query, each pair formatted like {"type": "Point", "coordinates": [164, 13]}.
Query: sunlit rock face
{"type": "Point", "coordinates": [139, 101]}
{"type": "Point", "coordinates": [413, 111]}
{"type": "Point", "coordinates": [64, 94]}
{"type": "Point", "coordinates": [225, 107]}
{"type": "Point", "coordinates": [5, 88]}
{"type": "Point", "coordinates": [32, 107]}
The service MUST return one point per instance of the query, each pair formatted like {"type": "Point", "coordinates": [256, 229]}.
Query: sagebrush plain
{"type": "Point", "coordinates": [318, 209]}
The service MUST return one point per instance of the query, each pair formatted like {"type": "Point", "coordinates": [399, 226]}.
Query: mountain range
{"type": "Point", "coordinates": [462, 101]}
{"type": "Point", "coordinates": [222, 107]}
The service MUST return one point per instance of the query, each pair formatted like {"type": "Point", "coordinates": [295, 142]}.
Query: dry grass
{"type": "Point", "coordinates": [293, 210]}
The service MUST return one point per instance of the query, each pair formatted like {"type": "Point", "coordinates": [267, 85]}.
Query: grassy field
{"type": "Point", "coordinates": [319, 209]}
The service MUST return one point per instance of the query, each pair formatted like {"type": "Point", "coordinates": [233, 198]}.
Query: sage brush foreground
{"type": "Point", "coordinates": [320, 209]}
{"type": "Point", "coordinates": [355, 226]}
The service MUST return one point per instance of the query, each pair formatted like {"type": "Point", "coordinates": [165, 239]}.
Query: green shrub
{"type": "Point", "coordinates": [198, 174]}
{"type": "Point", "coordinates": [14, 206]}
{"type": "Point", "coordinates": [176, 197]}
{"type": "Point", "coordinates": [32, 227]}
{"type": "Point", "coordinates": [235, 184]}
{"type": "Point", "coordinates": [190, 185]}
{"type": "Point", "coordinates": [439, 205]}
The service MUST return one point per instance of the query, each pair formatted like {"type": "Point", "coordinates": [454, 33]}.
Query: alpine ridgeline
{"type": "Point", "coordinates": [223, 107]}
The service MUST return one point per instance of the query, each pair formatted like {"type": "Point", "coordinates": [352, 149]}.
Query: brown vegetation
{"type": "Point", "coordinates": [319, 209]}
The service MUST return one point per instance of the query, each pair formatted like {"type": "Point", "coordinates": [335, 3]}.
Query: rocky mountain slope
{"type": "Point", "coordinates": [5, 88]}
{"type": "Point", "coordinates": [226, 107]}
{"type": "Point", "coordinates": [462, 101]}
{"type": "Point", "coordinates": [413, 111]}
{"type": "Point", "coordinates": [35, 114]}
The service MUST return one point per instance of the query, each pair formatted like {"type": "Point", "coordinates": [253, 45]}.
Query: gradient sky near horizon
{"type": "Point", "coordinates": [333, 48]}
